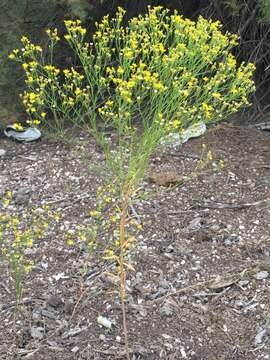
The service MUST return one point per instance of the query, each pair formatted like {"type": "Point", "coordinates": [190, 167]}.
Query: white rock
{"type": "Point", "coordinates": [104, 322]}
{"type": "Point", "coordinates": [75, 349]}
{"type": "Point", "coordinates": [260, 337]}
{"type": "Point", "coordinates": [2, 152]}
{"type": "Point", "coordinates": [37, 332]}
{"type": "Point", "coordinates": [261, 275]}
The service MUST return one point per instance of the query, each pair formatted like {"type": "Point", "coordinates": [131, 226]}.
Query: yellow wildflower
{"type": "Point", "coordinates": [70, 242]}
{"type": "Point", "coordinates": [18, 126]}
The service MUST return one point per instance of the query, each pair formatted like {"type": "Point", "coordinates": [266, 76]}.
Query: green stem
{"type": "Point", "coordinates": [122, 269]}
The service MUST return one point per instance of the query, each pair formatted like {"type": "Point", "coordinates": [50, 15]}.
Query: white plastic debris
{"type": "Point", "coordinates": [104, 322]}
{"type": "Point", "coordinates": [75, 349]}
{"type": "Point", "coordinates": [193, 131]}
{"type": "Point", "coordinates": [27, 134]}
{"type": "Point", "coordinates": [60, 276]}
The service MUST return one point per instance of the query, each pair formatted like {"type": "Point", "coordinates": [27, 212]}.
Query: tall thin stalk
{"type": "Point", "coordinates": [122, 271]}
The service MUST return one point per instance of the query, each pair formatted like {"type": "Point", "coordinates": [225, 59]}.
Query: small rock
{"type": "Point", "coordinates": [104, 322]}
{"type": "Point", "coordinates": [160, 292]}
{"type": "Point", "coordinates": [230, 239]}
{"type": "Point", "coordinates": [164, 178]}
{"type": "Point", "coordinates": [118, 339]}
{"type": "Point", "coordinates": [260, 337]}
{"type": "Point", "coordinates": [239, 303]}
{"type": "Point", "coordinates": [164, 284]}
{"type": "Point", "coordinates": [243, 283]}
{"type": "Point", "coordinates": [37, 332]}
{"type": "Point", "coordinates": [261, 275]}
{"type": "Point", "coordinates": [49, 314]}
{"type": "Point", "coordinates": [75, 349]}
{"type": "Point", "coordinates": [215, 228]}
{"type": "Point", "coordinates": [2, 152]}
{"type": "Point", "coordinates": [3, 180]}
{"type": "Point", "coordinates": [54, 301]}
{"type": "Point", "coordinates": [52, 343]}
{"type": "Point", "coordinates": [22, 196]}
{"type": "Point", "coordinates": [73, 332]}
{"type": "Point", "coordinates": [169, 249]}
{"type": "Point", "coordinates": [69, 306]}
{"type": "Point", "coordinates": [183, 352]}
{"type": "Point", "coordinates": [36, 314]}
{"type": "Point", "coordinates": [195, 224]}
{"type": "Point", "coordinates": [165, 310]}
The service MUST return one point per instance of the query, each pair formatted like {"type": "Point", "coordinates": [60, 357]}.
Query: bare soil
{"type": "Point", "coordinates": [200, 289]}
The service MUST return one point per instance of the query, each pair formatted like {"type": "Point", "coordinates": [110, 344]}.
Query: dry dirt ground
{"type": "Point", "coordinates": [200, 289]}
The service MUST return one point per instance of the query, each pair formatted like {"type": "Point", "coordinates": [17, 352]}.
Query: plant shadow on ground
{"type": "Point", "coordinates": [200, 289]}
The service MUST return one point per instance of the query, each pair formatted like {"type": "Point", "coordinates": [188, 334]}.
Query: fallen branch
{"type": "Point", "coordinates": [217, 205]}
{"type": "Point", "coordinates": [135, 214]}
{"type": "Point", "coordinates": [213, 285]}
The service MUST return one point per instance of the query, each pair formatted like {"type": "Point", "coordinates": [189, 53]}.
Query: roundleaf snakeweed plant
{"type": "Point", "coordinates": [155, 76]}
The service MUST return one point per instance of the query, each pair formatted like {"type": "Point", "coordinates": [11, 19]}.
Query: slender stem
{"type": "Point", "coordinates": [122, 270]}
{"type": "Point", "coordinates": [18, 285]}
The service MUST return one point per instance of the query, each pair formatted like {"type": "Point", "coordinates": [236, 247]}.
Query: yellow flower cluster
{"type": "Point", "coordinates": [48, 93]}
{"type": "Point", "coordinates": [159, 63]}
{"type": "Point", "coordinates": [75, 30]}
{"type": "Point", "coordinates": [73, 92]}
{"type": "Point", "coordinates": [51, 70]}
{"type": "Point", "coordinates": [29, 48]}
{"type": "Point", "coordinates": [53, 35]}
{"type": "Point", "coordinates": [14, 54]}
{"type": "Point", "coordinates": [32, 101]}
{"type": "Point", "coordinates": [18, 126]}
{"type": "Point", "coordinates": [185, 76]}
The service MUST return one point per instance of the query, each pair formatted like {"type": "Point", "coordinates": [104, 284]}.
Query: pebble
{"type": "Point", "coordinates": [37, 332]}
{"type": "Point", "coordinates": [261, 275]}
{"type": "Point", "coordinates": [243, 283]}
{"type": "Point", "coordinates": [165, 310]}
{"type": "Point", "coordinates": [2, 152]}
{"type": "Point", "coordinates": [54, 301]}
{"type": "Point", "coordinates": [22, 196]}
{"type": "Point", "coordinates": [73, 332]}
{"type": "Point", "coordinates": [232, 238]}
{"type": "Point", "coordinates": [260, 337]}
{"type": "Point", "coordinates": [49, 314]}
{"type": "Point", "coordinates": [75, 349]}
{"type": "Point", "coordinates": [104, 322]}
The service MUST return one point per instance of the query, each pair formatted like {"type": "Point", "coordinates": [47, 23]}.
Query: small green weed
{"type": "Point", "coordinates": [18, 234]}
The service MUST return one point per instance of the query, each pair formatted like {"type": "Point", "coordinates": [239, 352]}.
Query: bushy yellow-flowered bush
{"type": "Point", "coordinates": [157, 75]}
{"type": "Point", "coordinates": [160, 67]}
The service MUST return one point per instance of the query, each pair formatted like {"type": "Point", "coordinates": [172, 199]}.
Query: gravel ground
{"type": "Point", "coordinates": [200, 285]}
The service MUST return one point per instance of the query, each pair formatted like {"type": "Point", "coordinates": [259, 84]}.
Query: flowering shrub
{"type": "Point", "coordinates": [159, 74]}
